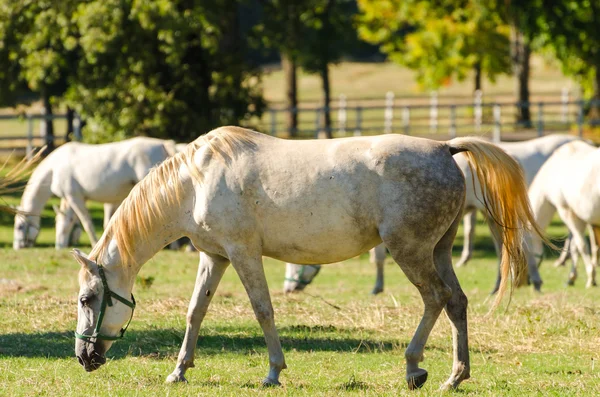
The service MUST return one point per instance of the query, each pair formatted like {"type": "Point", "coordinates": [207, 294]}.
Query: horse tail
{"type": "Point", "coordinates": [505, 197]}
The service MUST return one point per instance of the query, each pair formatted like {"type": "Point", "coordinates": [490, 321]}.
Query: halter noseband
{"type": "Point", "coordinates": [301, 273]}
{"type": "Point", "coordinates": [107, 300]}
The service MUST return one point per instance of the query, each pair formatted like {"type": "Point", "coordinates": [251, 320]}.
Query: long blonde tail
{"type": "Point", "coordinates": [504, 195]}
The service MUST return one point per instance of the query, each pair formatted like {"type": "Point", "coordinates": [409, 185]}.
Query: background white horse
{"type": "Point", "coordinates": [569, 182]}
{"type": "Point", "coordinates": [77, 172]}
{"type": "Point", "coordinates": [239, 195]}
{"type": "Point", "coordinates": [530, 154]}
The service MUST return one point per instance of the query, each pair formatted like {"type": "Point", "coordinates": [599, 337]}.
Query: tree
{"type": "Point", "coordinates": [572, 30]}
{"type": "Point", "coordinates": [439, 39]}
{"type": "Point", "coordinates": [170, 69]}
{"type": "Point", "coordinates": [33, 55]}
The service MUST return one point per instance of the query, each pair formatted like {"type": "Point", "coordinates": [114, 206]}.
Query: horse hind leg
{"type": "Point", "coordinates": [456, 308]}
{"type": "Point", "coordinates": [469, 222]}
{"type": "Point", "coordinates": [415, 260]}
{"type": "Point", "coordinates": [577, 228]}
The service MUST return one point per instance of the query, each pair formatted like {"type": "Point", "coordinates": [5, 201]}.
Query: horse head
{"type": "Point", "coordinates": [103, 312]}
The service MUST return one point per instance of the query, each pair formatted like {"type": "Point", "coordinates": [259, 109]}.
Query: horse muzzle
{"type": "Point", "coordinates": [89, 357]}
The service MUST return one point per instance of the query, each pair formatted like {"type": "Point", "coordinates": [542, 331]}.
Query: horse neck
{"type": "Point", "coordinates": [38, 191]}
{"type": "Point", "coordinates": [160, 236]}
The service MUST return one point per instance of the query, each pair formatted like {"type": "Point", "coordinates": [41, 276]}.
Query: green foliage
{"type": "Point", "coordinates": [162, 68]}
{"type": "Point", "coordinates": [571, 30]}
{"type": "Point", "coordinates": [440, 40]}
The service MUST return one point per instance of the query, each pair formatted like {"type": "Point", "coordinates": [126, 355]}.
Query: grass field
{"type": "Point", "coordinates": [544, 344]}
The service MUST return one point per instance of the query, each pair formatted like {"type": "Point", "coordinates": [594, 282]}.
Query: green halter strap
{"type": "Point", "coordinates": [107, 300]}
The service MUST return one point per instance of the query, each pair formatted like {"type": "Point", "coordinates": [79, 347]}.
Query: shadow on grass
{"type": "Point", "coordinates": [163, 343]}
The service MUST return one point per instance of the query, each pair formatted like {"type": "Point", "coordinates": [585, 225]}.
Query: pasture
{"type": "Point", "coordinates": [337, 338]}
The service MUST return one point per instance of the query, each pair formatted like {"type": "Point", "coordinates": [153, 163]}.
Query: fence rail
{"type": "Point", "coordinates": [438, 118]}
{"type": "Point", "coordinates": [498, 118]}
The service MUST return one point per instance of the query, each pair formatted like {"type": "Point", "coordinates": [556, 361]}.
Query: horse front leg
{"type": "Point", "coordinates": [210, 272]}
{"type": "Point", "coordinates": [377, 256]}
{"type": "Point", "coordinates": [251, 272]}
{"type": "Point", "coordinates": [77, 202]}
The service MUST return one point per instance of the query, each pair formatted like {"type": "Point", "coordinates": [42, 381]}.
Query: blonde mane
{"type": "Point", "coordinates": [142, 211]}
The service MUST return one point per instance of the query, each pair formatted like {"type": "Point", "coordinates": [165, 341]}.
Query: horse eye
{"type": "Point", "coordinates": [84, 300]}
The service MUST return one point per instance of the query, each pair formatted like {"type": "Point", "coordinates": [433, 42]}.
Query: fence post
{"type": "Point", "coordinates": [357, 129]}
{"type": "Point", "coordinates": [318, 123]}
{"type": "Point", "coordinates": [497, 123]}
{"type": "Point", "coordinates": [540, 123]}
{"type": "Point", "coordinates": [477, 110]}
{"type": "Point", "coordinates": [580, 118]}
{"type": "Point", "coordinates": [433, 112]}
{"type": "Point", "coordinates": [389, 112]}
{"type": "Point", "coordinates": [273, 113]}
{"type": "Point", "coordinates": [406, 119]}
{"type": "Point", "coordinates": [77, 127]}
{"type": "Point", "coordinates": [29, 150]}
{"type": "Point", "coordinates": [342, 116]}
{"type": "Point", "coordinates": [452, 121]}
{"type": "Point", "coordinates": [564, 97]}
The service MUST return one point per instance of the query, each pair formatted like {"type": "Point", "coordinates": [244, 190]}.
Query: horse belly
{"type": "Point", "coordinates": [318, 235]}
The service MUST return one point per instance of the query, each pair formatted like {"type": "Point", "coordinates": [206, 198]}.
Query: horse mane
{"type": "Point", "coordinates": [142, 211]}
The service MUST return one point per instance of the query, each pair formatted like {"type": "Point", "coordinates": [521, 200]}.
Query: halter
{"type": "Point", "coordinates": [106, 300]}
{"type": "Point", "coordinates": [299, 279]}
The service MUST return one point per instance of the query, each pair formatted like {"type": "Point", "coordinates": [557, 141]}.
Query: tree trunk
{"type": "Point", "coordinates": [70, 129]}
{"type": "Point", "coordinates": [520, 54]}
{"type": "Point", "coordinates": [595, 107]}
{"type": "Point", "coordinates": [291, 92]}
{"type": "Point", "coordinates": [478, 76]}
{"type": "Point", "coordinates": [48, 124]}
{"type": "Point", "coordinates": [326, 100]}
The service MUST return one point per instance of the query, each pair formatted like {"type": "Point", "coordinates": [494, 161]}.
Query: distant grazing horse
{"type": "Point", "coordinates": [77, 172]}
{"type": "Point", "coordinates": [569, 182]}
{"type": "Point", "coordinates": [530, 154]}
{"type": "Point", "coordinates": [239, 195]}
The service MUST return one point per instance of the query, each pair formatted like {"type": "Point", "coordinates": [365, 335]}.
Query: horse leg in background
{"type": "Point", "coordinates": [577, 228]}
{"type": "Point", "coordinates": [594, 232]}
{"type": "Point", "coordinates": [415, 260]}
{"type": "Point", "coordinates": [210, 272]}
{"type": "Point", "coordinates": [377, 255]}
{"type": "Point", "coordinates": [564, 254]}
{"type": "Point", "coordinates": [469, 222]}
{"type": "Point", "coordinates": [77, 202]}
{"type": "Point", "coordinates": [109, 210]}
{"type": "Point", "coordinates": [249, 268]}
{"type": "Point", "coordinates": [456, 309]}
{"type": "Point", "coordinates": [574, 254]}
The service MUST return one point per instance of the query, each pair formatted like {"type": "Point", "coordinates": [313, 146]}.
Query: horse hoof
{"type": "Point", "coordinates": [571, 283]}
{"type": "Point", "coordinates": [417, 379]}
{"type": "Point", "coordinates": [174, 378]}
{"type": "Point", "coordinates": [537, 286]}
{"type": "Point", "coordinates": [376, 291]}
{"type": "Point", "coordinates": [270, 383]}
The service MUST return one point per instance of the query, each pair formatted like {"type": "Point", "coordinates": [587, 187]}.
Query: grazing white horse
{"type": "Point", "coordinates": [569, 182]}
{"type": "Point", "coordinates": [530, 154]}
{"type": "Point", "coordinates": [77, 172]}
{"type": "Point", "coordinates": [239, 195]}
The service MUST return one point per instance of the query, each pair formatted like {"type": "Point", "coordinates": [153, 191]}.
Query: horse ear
{"type": "Point", "coordinates": [83, 260]}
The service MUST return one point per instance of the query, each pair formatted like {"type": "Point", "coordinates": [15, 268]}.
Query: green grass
{"type": "Point", "coordinates": [544, 344]}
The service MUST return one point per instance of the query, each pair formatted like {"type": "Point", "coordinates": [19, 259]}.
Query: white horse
{"type": "Point", "coordinates": [530, 154]}
{"type": "Point", "coordinates": [77, 172]}
{"type": "Point", "coordinates": [569, 182]}
{"type": "Point", "coordinates": [239, 195]}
